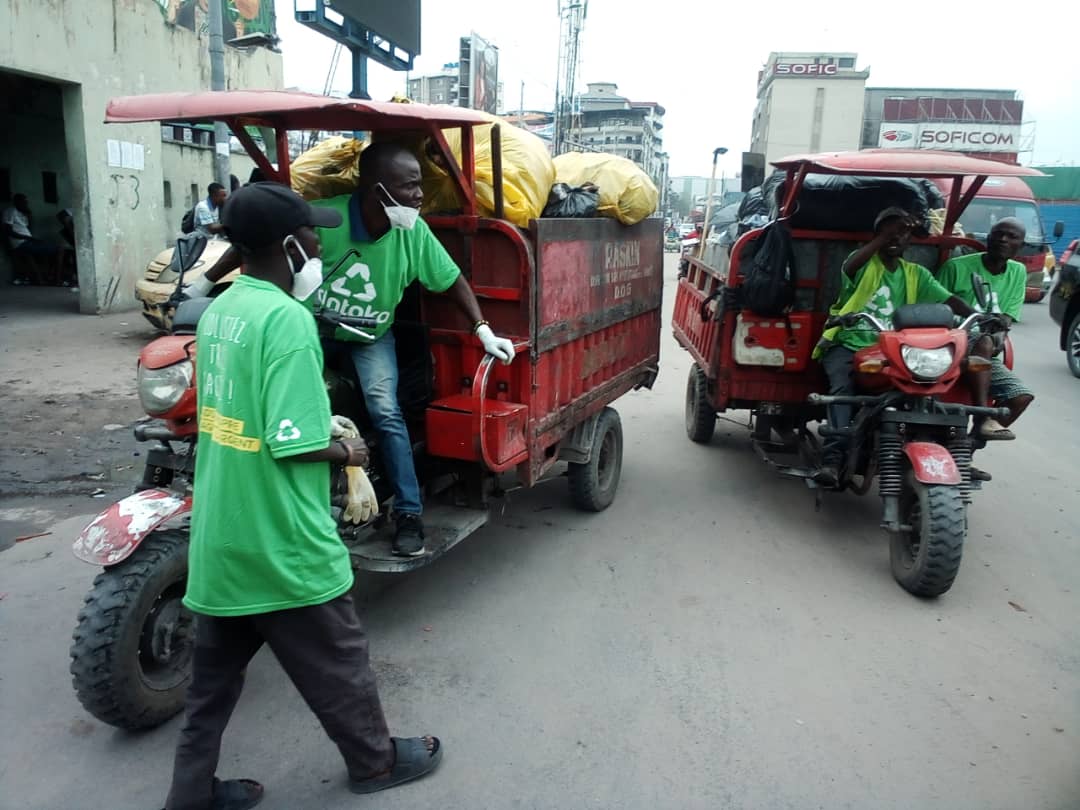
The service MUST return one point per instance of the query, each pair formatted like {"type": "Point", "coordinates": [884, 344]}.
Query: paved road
{"type": "Point", "coordinates": [710, 642]}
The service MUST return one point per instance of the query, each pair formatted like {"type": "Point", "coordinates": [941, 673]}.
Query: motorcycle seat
{"type": "Point", "coordinates": [923, 316]}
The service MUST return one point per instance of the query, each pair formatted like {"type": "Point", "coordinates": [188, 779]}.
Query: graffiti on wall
{"type": "Point", "coordinates": [241, 17]}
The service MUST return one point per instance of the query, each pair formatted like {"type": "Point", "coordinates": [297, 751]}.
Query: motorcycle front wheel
{"type": "Point", "coordinates": [925, 554]}
{"type": "Point", "coordinates": [133, 643]}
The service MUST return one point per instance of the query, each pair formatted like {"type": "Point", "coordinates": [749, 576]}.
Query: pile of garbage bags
{"type": "Point", "coordinates": [327, 169]}
{"type": "Point", "coordinates": [528, 174]}
{"type": "Point", "coordinates": [843, 203]}
{"type": "Point", "coordinates": [575, 184]}
{"type": "Point", "coordinates": [626, 193]}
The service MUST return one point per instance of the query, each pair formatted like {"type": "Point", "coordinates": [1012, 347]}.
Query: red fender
{"type": "Point", "coordinates": [115, 534]}
{"type": "Point", "coordinates": [931, 463]}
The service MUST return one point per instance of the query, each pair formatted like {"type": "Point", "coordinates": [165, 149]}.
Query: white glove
{"type": "Point", "coordinates": [499, 348]}
{"type": "Point", "coordinates": [199, 288]}
{"type": "Point", "coordinates": [361, 504]}
{"type": "Point", "coordinates": [342, 427]}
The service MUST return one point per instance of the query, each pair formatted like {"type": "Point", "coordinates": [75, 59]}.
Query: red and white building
{"type": "Point", "coordinates": [980, 123]}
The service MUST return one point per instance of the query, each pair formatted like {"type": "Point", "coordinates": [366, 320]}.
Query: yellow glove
{"type": "Point", "coordinates": [362, 504]}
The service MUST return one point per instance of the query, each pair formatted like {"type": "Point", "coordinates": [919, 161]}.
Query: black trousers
{"type": "Point", "coordinates": [324, 652]}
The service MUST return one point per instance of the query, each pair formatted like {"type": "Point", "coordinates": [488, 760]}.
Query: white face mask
{"type": "Point", "coordinates": [400, 216]}
{"type": "Point", "coordinates": [308, 278]}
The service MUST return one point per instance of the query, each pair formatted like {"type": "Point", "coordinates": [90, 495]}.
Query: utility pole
{"type": "Point", "coordinates": [222, 169]}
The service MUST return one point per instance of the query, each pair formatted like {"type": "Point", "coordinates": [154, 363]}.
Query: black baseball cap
{"type": "Point", "coordinates": [262, 213]}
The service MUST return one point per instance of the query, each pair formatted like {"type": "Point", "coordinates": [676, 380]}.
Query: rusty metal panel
{"type": "Point", "coordinates": [593, 273]}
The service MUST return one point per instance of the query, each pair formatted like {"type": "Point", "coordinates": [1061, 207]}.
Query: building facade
{"type": "Point", "coordinates": [808, 102]}
{"type": "Point", "coordinates": [980, 123]}
{"type": "Point", "coordinates": [441, 88]}
{"type": "Point", "coordinates": [611, 123]}
{"type": "Point", "coordinates": [126, 186]}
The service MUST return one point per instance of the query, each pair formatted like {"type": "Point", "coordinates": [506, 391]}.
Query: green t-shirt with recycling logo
{"type": "Point", "coordinates": [1006, 290]}
{"type": "Point", "coordinates": [892, 293]}
{"type": "Point", "coordinates": [262, 536]}
{"type": "Point", "coordinates": [372, 284]}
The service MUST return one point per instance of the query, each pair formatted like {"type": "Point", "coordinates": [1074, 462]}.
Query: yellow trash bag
{"type": "Point", "coordinates": [626, 192]}
{"type": "Point", "coordinates": [328, 169]}
{"type": "Point", "coordinates": [528, 174]}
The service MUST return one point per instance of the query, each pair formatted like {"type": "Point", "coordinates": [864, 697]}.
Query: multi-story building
{"type": "Point", "coordinates": [808, 102]}
{"type": "Point", "coordinates": [609, 122]}
{"type": "Point", "coordinates": [441, 88]}
{"type": "Point", "coordinates": [980, 123]}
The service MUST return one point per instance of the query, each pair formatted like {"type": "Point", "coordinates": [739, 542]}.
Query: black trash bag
{"type": "Point", "coordinates": [851, 203]}
{"type": "Point", "coordinates": [566, 201]}
{"type": "Point", "coordinates": [752, 204]}
{"type": "Point", "coordinates": [768, 287]}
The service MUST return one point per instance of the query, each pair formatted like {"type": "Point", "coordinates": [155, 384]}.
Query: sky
{"type": "Point", "coordinates": [700, 60]}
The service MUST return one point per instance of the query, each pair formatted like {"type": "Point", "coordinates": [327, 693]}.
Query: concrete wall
{"type": "Point", "coordinates": [100, 49]}
{"type": "Point", "coordinates": [792, 115]}
{"type": "Point", "coordinates": [184, 166]}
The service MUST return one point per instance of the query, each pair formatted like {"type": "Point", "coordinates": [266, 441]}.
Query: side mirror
{"type": "Point", "coordinates": [1059, 229]}
{"type": "Point", "coordinates": [982, 295]}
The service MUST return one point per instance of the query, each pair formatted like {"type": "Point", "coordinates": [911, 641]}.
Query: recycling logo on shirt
{"type": "Point", "coordinates": [367, 294]}
{"type": "Point", "coordinates": [287, 431]}
{"type": "Point", "coordinates": [881, 305]}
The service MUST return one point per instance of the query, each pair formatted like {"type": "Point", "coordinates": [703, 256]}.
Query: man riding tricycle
{"type": "Point", "coordinates": [831, 313]}
{"type": "Point", "coordinates": [493, 356]}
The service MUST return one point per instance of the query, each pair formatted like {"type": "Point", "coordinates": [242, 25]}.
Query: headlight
{"type": "Point", "coordinates": [927, 364]}
{"type": "Point", "coordinates": [161, 388]}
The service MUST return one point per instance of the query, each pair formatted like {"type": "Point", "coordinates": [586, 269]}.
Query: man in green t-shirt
{"type": "Point", "coordinates": [876, 280]}
{"type": "Point", "coordinates": [1004, 280]}
{"type": "Point", "coordinates": [265, 562]}
{"type": "Point", "coordinates": [381, 222]}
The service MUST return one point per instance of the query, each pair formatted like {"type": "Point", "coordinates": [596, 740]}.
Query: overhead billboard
{"type": "Point", "coordinates": [478, 83]}
{"type": "Point", "coordinates": [968, 136]}
{"type": "Point", "coordinates": [239, 17]}
{"type": "Point", "coordinates": [398, 22]}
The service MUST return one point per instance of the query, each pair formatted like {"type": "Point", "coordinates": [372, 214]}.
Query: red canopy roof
{"type": "Point", "coordinates": [290, 110]}
{"type": "Point", "coordinates": [903, 163]}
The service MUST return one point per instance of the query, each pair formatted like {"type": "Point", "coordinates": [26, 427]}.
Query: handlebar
{"type": "Point", "coordinates": [850, 320]}
{"type": "Point", "coordinates": [348, 322]}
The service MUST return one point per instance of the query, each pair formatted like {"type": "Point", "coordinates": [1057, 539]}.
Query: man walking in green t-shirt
{"type": "Point", "coordinates": [877, 280]}
{"type": "Point", "coordinates": [381, 222]}
{"type": "Point", "coordinates": [1004, 280]}
{"type": "Point", "coordinates": [265, 562]}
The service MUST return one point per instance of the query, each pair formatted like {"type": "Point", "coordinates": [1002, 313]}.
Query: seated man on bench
{"type": "Point", "coordinates": [1004, 281]}
{"type": "Point", "coordinates": [24, 245]}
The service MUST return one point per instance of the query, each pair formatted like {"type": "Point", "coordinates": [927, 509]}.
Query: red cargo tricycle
{"type": "Point", "coordinates": [911, 426]}
{"type": "Point", "coordinates": [580, 298]}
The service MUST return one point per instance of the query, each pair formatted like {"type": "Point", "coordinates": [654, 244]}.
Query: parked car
{"type": "Point", "coordinates": [1065, 309]}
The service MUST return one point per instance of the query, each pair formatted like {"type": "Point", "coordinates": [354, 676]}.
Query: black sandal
{"type": "Point", "coordinates": [411, 761]}
{"type": "Point", "coordinates": [236, 794]}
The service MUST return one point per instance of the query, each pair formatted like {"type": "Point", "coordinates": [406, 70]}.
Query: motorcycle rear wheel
{"type": "Point", "coordinates": [926, 558]}
{"type": "Point", "coordinates": [133, 643]}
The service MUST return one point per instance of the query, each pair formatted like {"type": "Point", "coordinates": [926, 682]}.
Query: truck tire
{"type": "Point", "coordinates": [926, 559]}
{"type": "Point", "coordinates": [593, 484]}
{"type": "Point", "coordinates": [1072, 345]}
{"type": "Point", "coordinates": [700, 416]}
{"type": "Point", "coordinates": [131, 659]}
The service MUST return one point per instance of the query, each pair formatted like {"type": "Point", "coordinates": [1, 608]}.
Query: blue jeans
{"type": "Point", "coordinates": [377, 371]}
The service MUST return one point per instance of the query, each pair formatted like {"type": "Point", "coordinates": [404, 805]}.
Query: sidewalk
{"type": "Point", "coordinates": [64, 379]}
